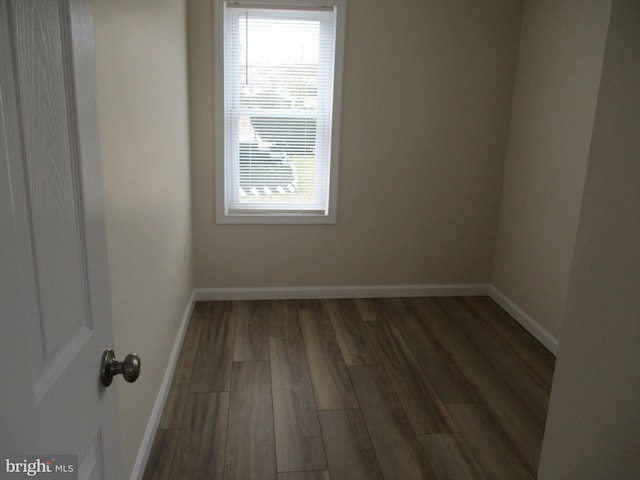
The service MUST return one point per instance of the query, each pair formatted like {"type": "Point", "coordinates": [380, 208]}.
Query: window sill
{"type": "Point", "coordinates": [275, 219]}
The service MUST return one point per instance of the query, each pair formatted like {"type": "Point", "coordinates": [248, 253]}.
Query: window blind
{"type": "Point", "coordinates": [278, 97]}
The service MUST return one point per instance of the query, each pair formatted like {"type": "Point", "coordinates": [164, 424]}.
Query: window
{"type": "Point", "coordinates": [277, 110]}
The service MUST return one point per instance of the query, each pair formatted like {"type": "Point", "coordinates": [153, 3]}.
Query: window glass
{"type": "Point", "coordinates": [279, 135]}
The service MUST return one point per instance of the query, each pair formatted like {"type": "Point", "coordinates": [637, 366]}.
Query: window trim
{"type": "Point", "coordinates": [223, 215]}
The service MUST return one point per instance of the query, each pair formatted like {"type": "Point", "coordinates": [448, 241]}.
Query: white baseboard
{"type": "Point", "coordinates": [158, 407]}
{"type": "Point", "coordinates": [356, 291]}
{"type": "Point", "coordinates": [533, 327]}
{"type": "Point", "coordinates": [384, 291]}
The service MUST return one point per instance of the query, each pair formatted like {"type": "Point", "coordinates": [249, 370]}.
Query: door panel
{"type": "Point", "coordinates": [48, 136]}
{"type": "Point", "coordinates": [91, 464]}
{"type": "Point", "coordinates": [56, 316]}
{"type": "Point", "coordinates": [62, 322]}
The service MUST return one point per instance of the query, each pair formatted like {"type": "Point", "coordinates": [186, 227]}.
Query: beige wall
{"type": "Point", "coordinates": [559, 65]}
{"type": "Point", "coordinates": [142, 90]}
{"type": "Point", "coordinates": [427, 100]}
{"type": "Point", "coordinates": [428, 90]}
{"type": "Point", "coordinates": [594, 412]}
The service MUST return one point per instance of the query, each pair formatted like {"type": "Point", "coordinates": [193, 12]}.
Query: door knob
{"type": "Point", "coordinates": [110, 367]}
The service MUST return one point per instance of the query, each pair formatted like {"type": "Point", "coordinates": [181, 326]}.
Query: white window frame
{"type": "Point", "coordinates": [223, 194]}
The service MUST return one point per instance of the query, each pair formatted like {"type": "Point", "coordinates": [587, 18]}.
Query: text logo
{"type": "Point", "coordinates": [49, 467]}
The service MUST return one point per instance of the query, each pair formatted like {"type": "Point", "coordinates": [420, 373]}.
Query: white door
{"type": "Point", "coordinates": [54, 294]}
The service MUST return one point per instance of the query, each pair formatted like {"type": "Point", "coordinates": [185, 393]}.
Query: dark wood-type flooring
{"type": "Point", "coordinates": [403, 388]}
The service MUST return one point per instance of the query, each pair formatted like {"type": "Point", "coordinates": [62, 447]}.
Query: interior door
{"type": "Point", "coordinates": [54, 291]}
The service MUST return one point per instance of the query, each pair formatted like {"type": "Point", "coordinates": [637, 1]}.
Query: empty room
{"type": "Point", "coordinates": [304, 240]}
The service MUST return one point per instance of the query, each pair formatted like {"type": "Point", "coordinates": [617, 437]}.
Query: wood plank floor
{"type": "Point", "coordinates": [403, 388]}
